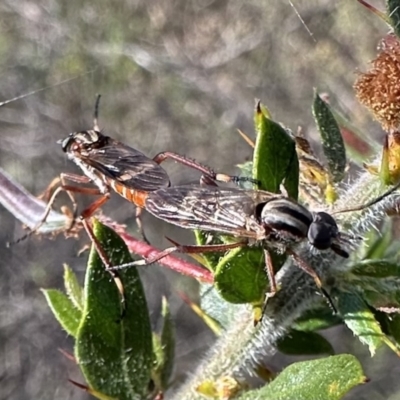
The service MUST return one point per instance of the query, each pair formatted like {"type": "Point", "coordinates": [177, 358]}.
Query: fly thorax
{"type": "Point", "coordinates": [323, 231]}
{"type": "Point", "coordinates": [287, 220]}
{"type": "Point", "coordinates": [91, 174]}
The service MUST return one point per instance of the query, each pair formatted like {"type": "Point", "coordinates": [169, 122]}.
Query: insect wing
{"type": "Point", "coordinates": [209, 208]}
{"type": "Point", "coordinates": [128, 166]}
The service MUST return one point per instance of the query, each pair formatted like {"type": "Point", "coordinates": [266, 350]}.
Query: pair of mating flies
{"type": "Point", "coordinates": [254, 216]}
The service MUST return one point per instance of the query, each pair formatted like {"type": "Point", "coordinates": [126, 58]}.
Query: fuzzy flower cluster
{"type": "Point", "coordinates": [379, 88]}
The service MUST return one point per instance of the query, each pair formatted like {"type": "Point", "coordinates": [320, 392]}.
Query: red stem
{"type": "Point", "coordinates": [174, 263]}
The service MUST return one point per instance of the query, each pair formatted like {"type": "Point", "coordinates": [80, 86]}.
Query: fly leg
{"type": "Point", "coordinates": [309, 270]}
{"type": "Point", "coordinates": [182, 249]}
{"type": "Point", "coordinates": [269, 269]}
{"type": "Point", "coordinates": [159, 158]}
{"type": "Point", "coordinates": [61, 186]}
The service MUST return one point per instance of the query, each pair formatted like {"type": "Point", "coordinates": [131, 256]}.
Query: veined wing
{"type": "Point", "coordinates": [210, 208]}
{"type": "Point", "coordinates": [128, 166]}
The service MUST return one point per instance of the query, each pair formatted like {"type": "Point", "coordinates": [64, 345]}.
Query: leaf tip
{"type": "Point", "coordinates": [258, 106]}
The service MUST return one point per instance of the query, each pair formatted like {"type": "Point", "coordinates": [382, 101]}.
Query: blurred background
{"type": "Point", "coordinates": [180, 75]}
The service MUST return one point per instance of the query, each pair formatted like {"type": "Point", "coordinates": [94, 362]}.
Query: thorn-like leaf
{"type": "Point", "coordinates": [114, 350]}
{"type": "Point", "coordinates": [72, 287]}
{"type": "Point", "coordinates": [332, 141]}
{"type": "Point", "coordinates": [65, 311]}
{"type": "Point", "coordinates": [275, 158]}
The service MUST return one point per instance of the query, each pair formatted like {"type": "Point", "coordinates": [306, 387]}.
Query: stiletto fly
{"type": "Point", "coordinates": [112, 165]}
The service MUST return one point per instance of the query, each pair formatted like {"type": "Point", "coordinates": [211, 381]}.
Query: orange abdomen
{"type": "Point", "coordinates": [136, 197]}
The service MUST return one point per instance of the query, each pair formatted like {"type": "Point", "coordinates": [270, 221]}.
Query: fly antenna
{"type": "Point", "coordinates": [96, 113]}
{"type": "Point", "coordinates": [370, 203]}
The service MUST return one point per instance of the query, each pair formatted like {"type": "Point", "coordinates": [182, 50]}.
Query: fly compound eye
{"type": "Point", "coordinates": [67, 142]}
{"type": "Point", "coordinates": [322, 231]}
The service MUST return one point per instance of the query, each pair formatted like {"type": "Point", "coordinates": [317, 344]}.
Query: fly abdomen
{"type": "Point", "coordinates": [288, 219]}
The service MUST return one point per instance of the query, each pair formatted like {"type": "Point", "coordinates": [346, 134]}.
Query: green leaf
{"type": "Point", "coordinates": [361, 321]}
{"type": "Point", "coordinates": [332, 141]}
{"type": "Point", "coordinates": [168, 346]}
{"type": "Point", "coordinates": [114, 351]}
{"type": "Point", "coordinates": [64, 310]}
{"type": "Point", "coordinates": [326, 379]}
{"type": "Point", "coordinates": [316, 319]}
{"type": "Point", "coordinates": [304, 343]}
{"type": "Point", "coordinates": [73, 288]}
{"type": "Point", "coordinates": [291, 182]}
{"type": "Point", "coordinates": [158, 360]}
{"type": "Point", "coordinates": [275, 158]}
{"type": "Point", "coordinates": [164, 351]}
{"type": "Point", "coordinates": [240, 276]}
{"type": "Point", "coordinates": [393, 12]}
{"type": "Point", "coordinates": [376, 269]}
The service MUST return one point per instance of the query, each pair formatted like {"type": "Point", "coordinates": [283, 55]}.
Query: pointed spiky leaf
{"type": "Point", "coordinates": [332, 141]}
{"type": "Point", "coordinates": [275, 158]}
{"type": "Point", "coordinates": [64, 310]}
{"type": "Point", "coordinates": [361, 321]}
{"type": "Point", "coordinates": [114, 350]}
{"type": "Point", "coordinates": [72, 288]}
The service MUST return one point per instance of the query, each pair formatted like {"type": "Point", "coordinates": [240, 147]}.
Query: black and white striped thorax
{"type": "Point", "coordinates": [290, 222]}
{"type": "Point", "coordinates": [285, 219]}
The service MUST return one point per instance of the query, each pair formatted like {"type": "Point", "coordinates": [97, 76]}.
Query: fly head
{"type": "Point", "coordinates": [323, 233]}
{"type": "Point", "coordinates": [81, 143]}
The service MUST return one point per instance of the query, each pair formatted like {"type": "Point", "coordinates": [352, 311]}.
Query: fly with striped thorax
{"type": "Point", "coordinates": [114, 166]}
{"type": "Point", "coordinates": [255, 217]}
